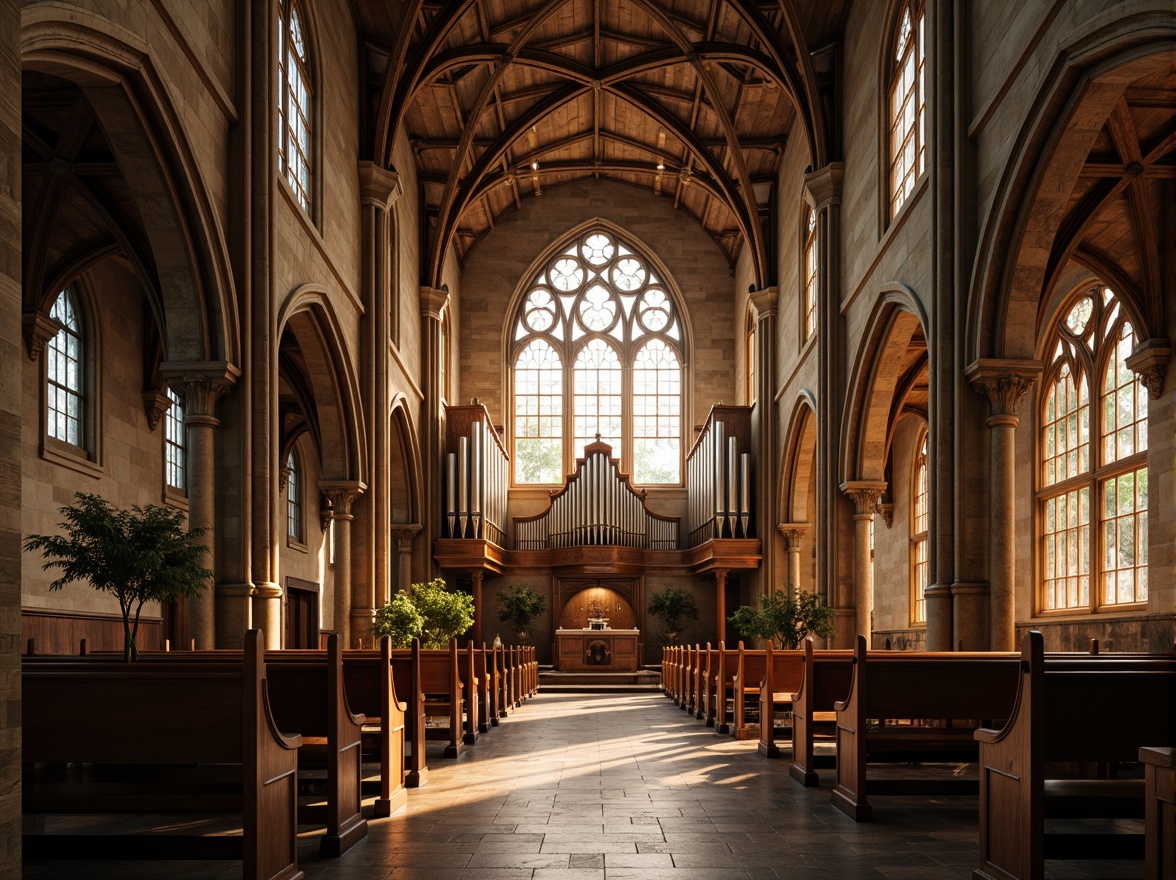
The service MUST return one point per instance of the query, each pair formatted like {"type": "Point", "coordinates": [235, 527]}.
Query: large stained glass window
{"type": "Point", "coordinates": [597, 351]}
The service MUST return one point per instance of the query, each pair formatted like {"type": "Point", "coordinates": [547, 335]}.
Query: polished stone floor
{"type": "Point", "coordinates": [625, 787]}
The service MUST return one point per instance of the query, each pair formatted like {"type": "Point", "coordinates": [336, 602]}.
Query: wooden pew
{"type": "Point", "coordinates": [476, 680]}
{"type": "Point", "coordinates": [440, 682]}
{"type": "Point", "coordinates": [745, 687]}
{"type": "Point", "coordinates": [1159, 811]}
{"type": "Point", "coordinates": [706, 699]}
{"type": "Point", "coordinates": [955, 690]}
{"type": "Point", "coordinates": [826, 679]}
{"type": "Point", "coordinates": [306, 693]}
{"type": "Point", "coordinates": [726, 666]}
{"type": "Point", "coordinates": [406, 679]}
{"type": "Point", "coordinates": [783, 672]}
{"type": "Point", "coordinates": [180, 738]}
{"type": "Point", "coordinates": [370, 685]}
{"type": "Point", "coordinates": [690, 661]}
{"type": "Point", "coordinates": [1056, 719]}
{"type": "Point", "coordinates": [671, 672]}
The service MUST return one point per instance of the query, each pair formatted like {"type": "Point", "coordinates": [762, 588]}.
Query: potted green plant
{"type": "Point", "coordinates": [519, 606]}
{"type": "Point", "coordinates": [399, 620]}
{"type": "Point", "coordinates": [785, 617]}
{"type": "Point", "coordinates": [443, 615]}
{"type": "Point", "coordinates": [672, 606]}
{"type": "Point", "coordinates": [141, 555]}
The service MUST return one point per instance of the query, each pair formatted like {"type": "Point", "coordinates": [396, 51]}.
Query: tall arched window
{"type": "Point", "coordinates": [919, 534]}
{"type": "Point", "coordinates": [600, 309]}
{"type": "Point", "coordinates": [295, 93]}
{"type": "Point", "coordinates": [810, 273]}
{"type": "Point", "coordinates": [294, 518]}
{"type": "Point", "coordinates": [1091, 344]}
{"type": "Point", "coordinates": [907, 103]}
{"type": "Point", "coordinates": [749, 357]}
{"type": "Point", "coordinates": [65, 388]}
{"type": "Point", "coordinates": [176, 464]}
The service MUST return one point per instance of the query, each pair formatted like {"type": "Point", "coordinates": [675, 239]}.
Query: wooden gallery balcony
{"type": "Point", "coordinates": [597, 523]}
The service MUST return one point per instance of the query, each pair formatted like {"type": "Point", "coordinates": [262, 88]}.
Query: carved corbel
{"type": "Point", "coordinates": [37, 329]}
{"type": "Point", "coordinates": [1149, 361]}
{"type": "Point", "coordinates": [155, 404]}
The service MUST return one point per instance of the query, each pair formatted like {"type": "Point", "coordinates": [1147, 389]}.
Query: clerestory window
{"type": "Point", "coordinates": [597, 350]}
{"type": "Point", "coordinates": [295, 96]}
{"type": "Point", "coordinates": [908, 146]}
{"type": "Point", "coordinates": [65, 374]}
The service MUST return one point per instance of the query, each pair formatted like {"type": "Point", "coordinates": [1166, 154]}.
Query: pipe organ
{"type": "Point", "coordinates": [596, 506]}
{"type": "Point", "coordinates": [719, 478]}
{"type": "Point", "coordinates": [477, 474]}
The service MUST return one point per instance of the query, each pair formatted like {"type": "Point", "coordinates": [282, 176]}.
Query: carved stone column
{"type": "Point", "coordinates": [764, 430]}
{"type": "Point", "coordinates": [201, 386]}
{"type": "Point", "coordinates": [865, 494]}
{"type": "Point", "coordinates": [823, 193]}
{"type": "Point", "coordinates": [405, 534]}
{"type": "Point", "coordinates": [433, 304]}
{"type": "Point", "coordinates": [353, 613]}
{"type": "Point", "coordinates": [379, 189]}
{"type": "Point", "coordinates": [793, 534]}
{"type": "Point", "coordinates": [1004, 383]}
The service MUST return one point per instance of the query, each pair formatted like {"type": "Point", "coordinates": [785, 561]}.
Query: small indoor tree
{"type": "Point", "coordinates": [141, 555]}
{"type": "Point", "coordinates": [673, 606]}
{"type": "Point", "coordinates": [446, 614]}
{"type": "Point", "coordinates": [785, 618]}
{"type": "Point", "coordinates": [519, 606]}
{"type": "Point", "coordinates": [399, 620]}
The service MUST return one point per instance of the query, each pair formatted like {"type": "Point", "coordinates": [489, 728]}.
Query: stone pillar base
{"type": "Point", "coordinates": [267, 613]}
{"type": "Point", "coordinates": [940, 617]}
{"type": "Point", "coordinates": [844, 628]}
{"type": "Point", "coordinates": [234, 614]}
{"type": "Point", "coordinates": [363, 627]}
{"type": "Point", "coordinates": [971, 617]}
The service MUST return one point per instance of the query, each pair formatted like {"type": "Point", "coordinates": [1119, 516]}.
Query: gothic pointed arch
{"type": "Point", "coordinates": [168, 227]}
{"type": "Point", "coordinates": [885, 371]}
{"type": "Point", "coordinates": [404, 465]}
{"type": "Point", "coordinates": [312, 352]}
{"type": "Point", "coordinates": [800, 461]}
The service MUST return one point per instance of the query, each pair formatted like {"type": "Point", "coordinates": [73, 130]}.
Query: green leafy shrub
{"type": "Point", "coordinates": [519, 606]}
{"type": "Point", "coordinates": [785, 618]}
{"type": "Point", "coordinates": [442, 615]}
{"type": "Point", "coordinates": [141, 555]}
{"type": "Point", "coordinates": [672, 606]}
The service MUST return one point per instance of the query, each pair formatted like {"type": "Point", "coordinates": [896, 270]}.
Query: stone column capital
{"type": "Point", "coordinates": [1150, 362]}
{"type": "Point", "coordinates": [793, 533]}
{"type": "Point", "coordinates": [341, 494]}
{"type": "Point", "coordinates": [764, 302]}
{"type": "Point", "coordinates": [405, 531]}
{"type": "Point", "coordinates": [864, 494]}
{"type": "Point", "coordinates": [378, 187]}
{"type": "Point", "coordinates": [1004, 382]}
{"type": "Point", "coordinates": [822, 187]}
{"type": "Point", "coordinates": [37, 328]}
{"type": "Point", "coordinates": [201, 384]}
{"type": "Point", "coordinates": [433, 302]}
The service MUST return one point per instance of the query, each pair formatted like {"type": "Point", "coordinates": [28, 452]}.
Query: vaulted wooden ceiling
{"type": "Point", "coordinates": [690, 100]}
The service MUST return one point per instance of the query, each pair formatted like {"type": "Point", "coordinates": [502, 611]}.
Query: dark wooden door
{"type": "Point", "coordinates": [302, 614]}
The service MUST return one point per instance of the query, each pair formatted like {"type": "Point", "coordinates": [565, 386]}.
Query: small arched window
{"type": "Point", "coordinates": [294, 518]}
{"type": "Point", "coordinates": [176, 464]}
{"type": "Point", "coordinates": [919, 534]}
{"type": "Point", "coordinates": [1101, 484]}
{"type": "Point", "coordinates": [749, 358]}
{"type": "Point", "coordinates": [809, 319]}
{"type": "Point", "coordinates": [295, 96]}
{"type": "Point", "coordinates": [65, 375]}
{"type": "Point", "coordinates": [908, 147]}
{"type": "Point", "coordinates": [597, 336]}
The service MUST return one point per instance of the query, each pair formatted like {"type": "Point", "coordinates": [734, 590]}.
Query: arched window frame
{"type": "Point", "coordinates": [905, 105]}
{"type": "Point", "coordinates": [175, 445]}
{"type": "Point", "coordinates": [920, 498]}
{"type": "Point", "coordinates": [558, 309]}
{"type": "Point", "coordinates": [810, 256]}
{"type": "Point", "coordinates": [749, 356]}
{"type": "Point", "coordinates": [294, 478]}
{"type": "Point", "coordinates": [80, 450]}
{"type": "Point", "coordinates": [297, 128]}
{"type": "Point", "coordinates": [1092, 475]}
